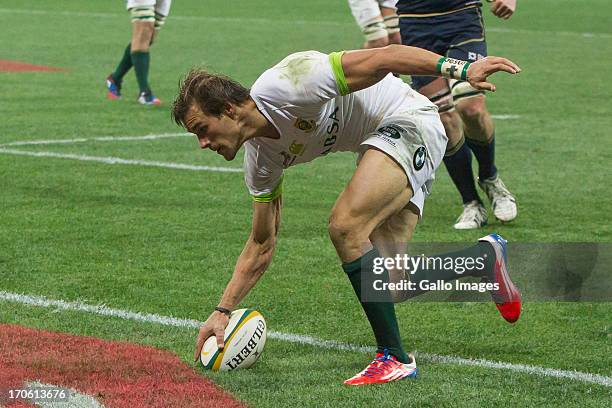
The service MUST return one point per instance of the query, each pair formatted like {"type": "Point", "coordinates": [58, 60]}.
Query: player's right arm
{"type": "Point", "coordinates": [252, 263]}
{"type": "Point", "coordinates": [360, 69]}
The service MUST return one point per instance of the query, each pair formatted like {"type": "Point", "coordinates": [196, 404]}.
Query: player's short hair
{"type": "Point", "coordinates": [210, 92]}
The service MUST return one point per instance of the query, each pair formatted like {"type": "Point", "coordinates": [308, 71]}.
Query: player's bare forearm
{"type": "Point", "coordinates": [252, 263]}
{"type": "Point", "coordinates": [256, 255]}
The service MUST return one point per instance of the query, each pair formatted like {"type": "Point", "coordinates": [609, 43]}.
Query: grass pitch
{"type": "Point", "coordinates": [164, 241]}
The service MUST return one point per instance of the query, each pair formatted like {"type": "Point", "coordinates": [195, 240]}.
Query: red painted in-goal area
{"type": "Point", "coordinates": [117, 374]}
{"type": "Point", "coordinates": [16, 66]}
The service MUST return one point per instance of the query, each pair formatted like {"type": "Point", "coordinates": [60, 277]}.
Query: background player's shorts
{"type": "Point", "coordinates": [154, 11]}
{"type": "Point", "coordinates": [368, 17]}
{"type": "Point", "coordinates": [416, 141]}
{"type": "Point", "coordinates": [459, 35]}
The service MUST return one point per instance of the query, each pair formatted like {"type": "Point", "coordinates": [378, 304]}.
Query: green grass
{"type": "Point", "coordinates": [164, 241]}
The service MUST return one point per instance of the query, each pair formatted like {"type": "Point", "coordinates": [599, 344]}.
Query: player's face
{"type": "Point", "coordinates": [220, 134]}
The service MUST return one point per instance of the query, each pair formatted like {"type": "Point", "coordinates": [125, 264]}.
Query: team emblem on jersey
{"type": "Point", "coordinates": [304, 125]}
{"type": "Point", "coordinates": [296, 148]}
{"type": "Point", "coordinates": [392, 131]}
{"type": "Point", "coordinates": [418, 160]}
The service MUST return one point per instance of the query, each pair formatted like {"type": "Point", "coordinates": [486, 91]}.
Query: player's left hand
{"type": "Point", "coordinates": [479, 71]}
{"type": "Point", "coordinates": [503, 8]}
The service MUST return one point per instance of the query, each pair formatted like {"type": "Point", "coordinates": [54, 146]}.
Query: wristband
{"type": "Point", "coordinates": [452, 68]}
{"type": "Point", "coordinates": [223, 310]}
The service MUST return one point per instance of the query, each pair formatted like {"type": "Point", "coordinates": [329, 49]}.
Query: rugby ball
{"type": "Point", "coordinates": [245, 337]}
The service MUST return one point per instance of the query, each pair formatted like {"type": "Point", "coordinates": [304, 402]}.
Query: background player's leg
{"type": "Point", "coordinates": [368, 17]}
{"type": "Point", "coordinates": [458, 157]}
{"type": "Point", "coordinates": [480, 137]}
{"type": "Point", "coordinates": [479, 133]}
{"type": "Point", "coordinates": [125, 64]}
{"type": "Point", "coordinates": [391, 21]}
{"type": "Point", "coordinates": [142, 36]}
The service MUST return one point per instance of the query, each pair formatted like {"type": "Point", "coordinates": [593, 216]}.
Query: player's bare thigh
{"type": "Point", "coordinates": [378, 190]}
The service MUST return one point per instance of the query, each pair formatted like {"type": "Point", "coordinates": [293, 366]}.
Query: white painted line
{"type": "Point", "coordinates": [117, 160]}
{"type": "Point", "coordinates": [273, 22]}
{"type": "Point", "coordinates": [506, 117]}
{"type": "Point", "coordinates": [548, 32]}
{"type": "Point", "coordinates": [212, 19]}
{"type": "Point", "coordinates": [96, 139]}
{"type": "Point", "coordinates": [102, 310]}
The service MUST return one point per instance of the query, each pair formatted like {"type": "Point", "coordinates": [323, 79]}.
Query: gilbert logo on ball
{"type": "Point", "coordinates": [245, 337]}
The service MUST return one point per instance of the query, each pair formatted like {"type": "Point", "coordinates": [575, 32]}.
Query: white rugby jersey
{"type": "Point", "coordinates": [306, 98]}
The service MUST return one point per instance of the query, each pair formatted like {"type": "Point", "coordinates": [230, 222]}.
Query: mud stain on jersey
{"type": "Point", "coordinates": [295, 69]}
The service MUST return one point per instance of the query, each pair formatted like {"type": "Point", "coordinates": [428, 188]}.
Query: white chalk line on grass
{"type": "Point", "coordinates": [273, 22]}
{"type": "Point", "coordinates": [117, 160]}
{"type": "Point", "coordinates": [145, 137]}
{"type": "Point", "coordinates": [506, 117]}
{"type": "Point", "coordinates": [4, 149]}
{"type": "Point", "coordinates": [102, 310]}
{"type": "Point", "coordinates": [96, 139]}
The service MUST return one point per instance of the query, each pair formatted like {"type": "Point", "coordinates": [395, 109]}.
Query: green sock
{"type": "Point", "coordinates": [381, 315]}
{"type": "Point", "coordinates": [124, 65]}
{"type": "Point", "coordinates": [141, 59]}
{"type": "Point", "coordinates": [436, 271]}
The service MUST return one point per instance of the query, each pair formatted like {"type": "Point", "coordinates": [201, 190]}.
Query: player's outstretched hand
{"type": "Point", "coordinates": [503, 8]}
{"type": "Point", "coordinates": [213, 326]}
{"type": "Point", "coordinates": [479, 71]}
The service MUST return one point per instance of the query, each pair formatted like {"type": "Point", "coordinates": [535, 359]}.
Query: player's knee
{"type": "Point", "coordinates": [142, 37]}
{"type": "Point", "coordinates": [469, 101]}
{"type": "Point", "coordinates": [344, 229]}
{"type": "Point", "coordinates": [471, 110]}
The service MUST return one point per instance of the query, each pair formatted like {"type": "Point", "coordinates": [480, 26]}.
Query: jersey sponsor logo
{"type": "Point", "coordinates": [331, 131]}
{"type": "Point", "coordinates": [392, 131]}
{"type": "Point", "coordinates": [418, 160]}
{"type": "Point", "coordinates": [304, 125]}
